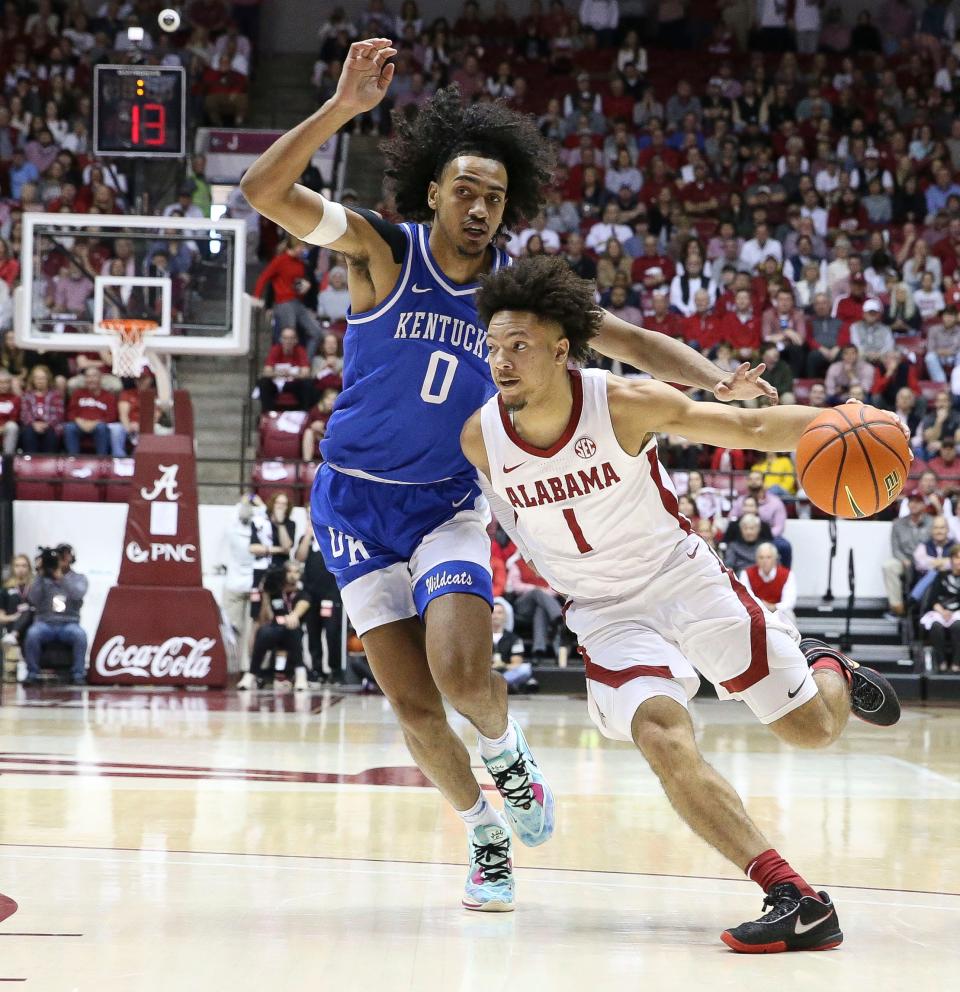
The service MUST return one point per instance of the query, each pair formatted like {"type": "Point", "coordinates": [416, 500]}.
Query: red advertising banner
{"type": "Point", "coordinates": [159, 625]}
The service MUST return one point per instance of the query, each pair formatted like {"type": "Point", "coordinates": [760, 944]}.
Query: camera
{"type": "Point", "coordinates": [49, 562]}
{"type": "Point", "coordinates": [168, 19]}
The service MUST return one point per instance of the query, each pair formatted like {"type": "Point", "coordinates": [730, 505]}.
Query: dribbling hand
{"type": "Point", "coordinates": [366, 75]}
{"type": "Point", "coordinates": [904, 430]}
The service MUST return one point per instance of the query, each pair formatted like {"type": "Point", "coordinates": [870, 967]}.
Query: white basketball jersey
{"type": "Point", "coordinates": [599, 523]}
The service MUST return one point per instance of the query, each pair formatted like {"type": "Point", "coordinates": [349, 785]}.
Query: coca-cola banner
{"type": "Point", "coordinates": [162, 543]}
{"type": "Point", "coordinates": [159, 637]}
{"type": "Point", "coordinates": [159, 625]}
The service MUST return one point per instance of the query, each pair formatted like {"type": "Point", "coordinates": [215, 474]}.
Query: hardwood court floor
{"type": "Point", "coordinates": [190, 841]}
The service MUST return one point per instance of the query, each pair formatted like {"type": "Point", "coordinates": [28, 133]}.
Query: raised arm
{"type": "Point", "coordinates": [671, 360]}
{"type": "Point", "coordinates": [270, 184]}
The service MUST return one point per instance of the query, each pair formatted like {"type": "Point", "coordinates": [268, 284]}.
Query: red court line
{"type": "Point", "coordinates": [6, 933]}
{"type": "Point", "coordinates": [459, 864]}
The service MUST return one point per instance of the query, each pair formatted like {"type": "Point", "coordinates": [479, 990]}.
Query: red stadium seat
{"type": "Point", "coordinates": [305, 476]}
{"type": "Point", "coordinates": [280, 434]}
{"type": "Point", "coordinates": [915, 344]}
{"type": "Point", "coordinates": [801, 389]}
{"type": "Point", "coordinates": [82, 478]}
{"type": "Point", "coordinates": [930, 390]}
{"type": "Point", "coordinates": [271, 477]}
{"type": "Point", "coordinates": [38, 476]}
{"type": "Point", "coordinates": [120, 473]}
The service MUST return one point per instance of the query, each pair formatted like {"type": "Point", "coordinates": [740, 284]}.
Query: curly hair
{"type": "Point", "coordinates": [443, 129]}
{"type": "Point", "coordinates": [549, 289]}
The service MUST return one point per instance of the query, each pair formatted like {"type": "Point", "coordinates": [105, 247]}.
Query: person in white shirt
{"type": "Point", "coordinates": [760, 247]}
{"type": "Point", "coordinates": [550, 239]}
{"type": "Point", "coordinates": [238, 563]}
{"type": "Point", "coordinates": [606, 228]}
{"type": "Point", "coordinates": [684, 286]}
{"type": "Point", "coordinates": [768, 578]}
{"type": "Point", "coordinates": [601, 17]}
{"type": "Point", "coordinates": [928, 298]}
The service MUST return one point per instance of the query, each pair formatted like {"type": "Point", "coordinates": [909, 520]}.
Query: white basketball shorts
{"type": "Point", "coordinates": [693, 617]}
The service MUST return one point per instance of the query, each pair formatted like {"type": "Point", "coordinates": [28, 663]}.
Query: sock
{"type": "Point", "coordinates": [493, 747]}
{"type": "Point", "coordinates": [769, 869]}
{"type": "Point", "coordinates": [831, 664]}
{"type": "Point", "coordinates": [481, 812]}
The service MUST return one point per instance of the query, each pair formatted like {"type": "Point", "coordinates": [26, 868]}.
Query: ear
{"type": "Point", "coordinates": [433, 191]}
{"type": "Point", "coordinates": [562, 351]}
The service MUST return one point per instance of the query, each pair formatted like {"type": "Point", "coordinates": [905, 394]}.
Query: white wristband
{"type": "Point", "coordinates": [332, 226]}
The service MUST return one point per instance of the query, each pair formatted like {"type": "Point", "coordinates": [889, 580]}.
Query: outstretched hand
{"type": "Point", "coordinates": [745, 384]}
{"type": "Point", "coordinates": [367, 73]}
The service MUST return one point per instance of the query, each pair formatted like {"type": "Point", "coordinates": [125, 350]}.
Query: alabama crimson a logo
{"type": "Point", "coordinates": [585, 447]}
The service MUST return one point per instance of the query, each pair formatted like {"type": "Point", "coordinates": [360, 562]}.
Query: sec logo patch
{"type": "Point", "coordinates": [585, 447]}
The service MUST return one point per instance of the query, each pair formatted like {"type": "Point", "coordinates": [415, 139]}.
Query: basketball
{"type": "Point", "coordinates": [852, 461]}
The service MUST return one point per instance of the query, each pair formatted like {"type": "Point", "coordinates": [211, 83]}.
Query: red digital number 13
{"type": "Point", "coordinates": [152, 121]}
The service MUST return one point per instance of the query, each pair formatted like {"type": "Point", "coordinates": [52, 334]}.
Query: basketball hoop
{"type": "Point", "coordinates": [128, 344]}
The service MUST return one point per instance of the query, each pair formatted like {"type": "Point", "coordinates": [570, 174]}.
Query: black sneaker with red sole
{"type": "Point", "coordinates": [794, 923]}
{"type": "Point", "coordinates": [872, 698]}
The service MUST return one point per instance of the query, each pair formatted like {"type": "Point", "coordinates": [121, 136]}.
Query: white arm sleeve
{"type": "Point", "coordinates": [504, 515]}
{"type": "Point", "coordinates": [332, 226]}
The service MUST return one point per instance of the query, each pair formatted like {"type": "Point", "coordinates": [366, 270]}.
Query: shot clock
{"type": "Point", "coordinates": [139, 111]}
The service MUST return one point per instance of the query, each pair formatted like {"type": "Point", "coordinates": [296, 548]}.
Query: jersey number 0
{"type": "Point", "coordinates": [429, 392]}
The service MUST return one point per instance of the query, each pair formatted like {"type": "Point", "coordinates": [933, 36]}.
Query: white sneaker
{"type": "Point", "coordinates": [300, 679]}
{"type": "Point", "coordinates": [247, 681]}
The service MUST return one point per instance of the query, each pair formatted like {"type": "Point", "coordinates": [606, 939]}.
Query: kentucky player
{"type": "Point", "coordinates": [396, 505]}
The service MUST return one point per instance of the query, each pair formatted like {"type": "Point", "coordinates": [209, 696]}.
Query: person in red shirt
{"type": "Point", "coordinates": [92, 412]}
{"type": "Point", "coordinates": [286, 371]}
{"type": "Point", "coordinates": [701, 324]}
{"type": "Point", "coordinates": [947, 466]}
{"type": "Point", "coordinates": [700, 196]}
{"type": "Point", "coordinates": [663, 319]}
{"type": "Point", "coordinates": [224, 93]}
{"type": "Point", "coordinates": [287, 276]}
{"type": "Point", "coordinates": [850, 308]}
{"type": "Point", "coordinates": [740, 329]}
{"type": "Point", "coordinates": [9, 413]}
{"type": "Point", "coordinates": [316, 422]}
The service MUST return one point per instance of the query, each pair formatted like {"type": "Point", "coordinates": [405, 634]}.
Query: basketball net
{"type": "Point", "coordinates": [128, 344]}
{"type": "Point", "coordinates": [128, 347]}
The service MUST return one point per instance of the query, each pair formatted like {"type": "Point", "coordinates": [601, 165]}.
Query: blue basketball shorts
{"type": "Point", "coordinates": [393, 548]}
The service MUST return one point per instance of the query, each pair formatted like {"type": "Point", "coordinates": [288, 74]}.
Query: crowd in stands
{"type": "Point", "coordinates": [765, 185]}
{"type": "Point", "coordinates": [56, 401]}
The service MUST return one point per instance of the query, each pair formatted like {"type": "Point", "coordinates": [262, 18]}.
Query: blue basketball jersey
{"type": "Point", "coordinates": [414, 369]}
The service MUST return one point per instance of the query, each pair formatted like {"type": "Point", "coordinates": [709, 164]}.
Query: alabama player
{"type": "Point", "coordinates": [569, 460]}
{"type": "Point", "coordinates": [395, 505]}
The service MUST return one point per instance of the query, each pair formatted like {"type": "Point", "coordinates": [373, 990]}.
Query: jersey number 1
{"type": "Point", "coordinates": [428, 391]}
{"type": "Point", "coordinates": [582, 546]}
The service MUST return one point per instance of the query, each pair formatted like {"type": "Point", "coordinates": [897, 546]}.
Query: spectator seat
{"type": "Point", "coordinates": [120, 474]}
{"type": "Point", "coordinates": [271, 477]}
{"type": "Point", "coordinates": [38, 477]}
{"type": "Point", "coordinates": [307, 470]}
{"type": "Point", "coordinates": [280, 433]}
{"type": "Point", "coordinates": [83, 478]}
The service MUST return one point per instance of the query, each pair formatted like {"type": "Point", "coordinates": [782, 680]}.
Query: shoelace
{"type": "Point", "coordinates": [866, 695]}
{"type": "Point", "coordinates": [493, 860]}
{"type": "Point", "coordinates": [516, 795]}
{"type": "Point", "coordinates": [782, 899]}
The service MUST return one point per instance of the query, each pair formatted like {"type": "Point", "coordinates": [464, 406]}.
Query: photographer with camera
{"type": "Point", "coordinates": [284, 603]}
{"type": "Point", "coordinates": [56, 596]}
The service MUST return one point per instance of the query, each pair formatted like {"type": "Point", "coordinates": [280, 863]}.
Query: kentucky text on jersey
{"type": "Point", "coordinates": [557, 489]}
{"type": "Point", "coordinates": [440, 327]}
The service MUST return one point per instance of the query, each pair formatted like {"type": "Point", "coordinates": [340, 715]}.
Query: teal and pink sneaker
{"type": "Point", "coordinates": [527, 798]}
{"type": "Point", "coordinates": [489, 887]}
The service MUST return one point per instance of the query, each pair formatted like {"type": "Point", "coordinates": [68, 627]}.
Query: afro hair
{"type": "Point", "coordinates": [443, 129]}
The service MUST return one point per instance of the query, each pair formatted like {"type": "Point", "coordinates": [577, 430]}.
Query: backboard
{"type": "Point", "coordinates": [185, 273]}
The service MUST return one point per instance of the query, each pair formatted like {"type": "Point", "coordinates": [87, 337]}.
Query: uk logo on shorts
{"type": "Point", "coordinates": [341, 544]}
{"type": "Point", "coordinates": [585, 447]}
